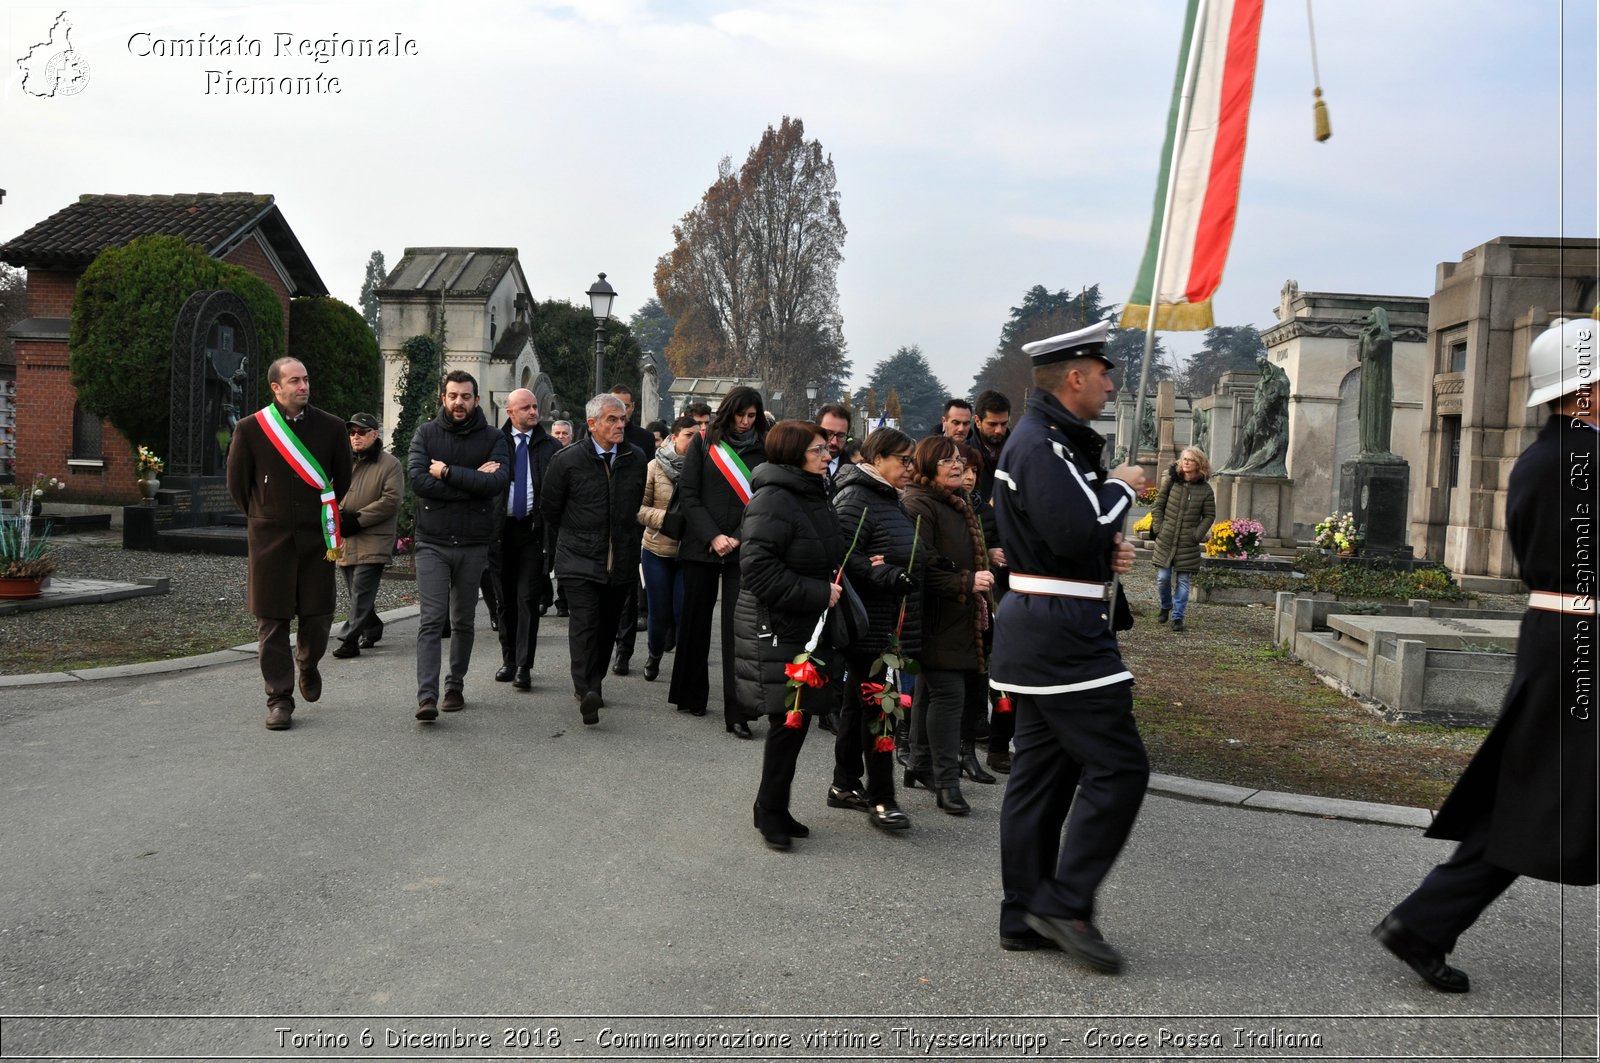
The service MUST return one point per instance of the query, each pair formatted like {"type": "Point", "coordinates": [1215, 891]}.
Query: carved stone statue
{"type": "Point", "coordinates": [1200, 429]}
{"type": "Point", "coordinates": [1147, 425]}
{"type": "Point", "coordinates": [1375, 349]}
{"type": "Point", "coordinates": [1265, 443]}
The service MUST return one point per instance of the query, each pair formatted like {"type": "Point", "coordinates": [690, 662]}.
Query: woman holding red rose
{"type": "Point", "coordinates": [790, 551]}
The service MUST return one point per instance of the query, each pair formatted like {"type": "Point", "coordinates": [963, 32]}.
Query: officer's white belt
{"type": "Point", "coordinates": [1060, 588]}
{"type": "Point", "coordinates": [1554, 602]}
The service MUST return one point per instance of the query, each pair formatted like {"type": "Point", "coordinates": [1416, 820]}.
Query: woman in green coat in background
{"type": "Point", "coordinates": [1180, 524]}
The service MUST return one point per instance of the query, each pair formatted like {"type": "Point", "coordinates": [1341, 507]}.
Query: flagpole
{"type": "Point", "coordinates": [1191, 70]}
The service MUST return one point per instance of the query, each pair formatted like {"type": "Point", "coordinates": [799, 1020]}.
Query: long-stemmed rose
{"type": "Point", "coordinates": [803, 671]}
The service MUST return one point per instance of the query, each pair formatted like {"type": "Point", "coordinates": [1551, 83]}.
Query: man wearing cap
{"type": "Point", "coordinates": [368, 515]}
{"type": "Point", "coordinates": [522, 563]}
{"type": "Point", "coordinates": [1055, 653]}
{"type": "Point", "coordinates": [1526, 803]}
{"type": "Point", "coordinates": [288, 465]}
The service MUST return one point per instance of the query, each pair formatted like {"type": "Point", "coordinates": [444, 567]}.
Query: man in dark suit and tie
{"type": "Point", "coordinates": [522, 538]}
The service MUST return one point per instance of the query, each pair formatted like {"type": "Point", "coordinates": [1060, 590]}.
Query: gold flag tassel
{"type": "Point", "coordinates": [1319, 109]}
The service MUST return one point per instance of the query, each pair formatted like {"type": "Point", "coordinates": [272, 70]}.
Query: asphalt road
{"type": "Point", "coordinates": [561, 891]}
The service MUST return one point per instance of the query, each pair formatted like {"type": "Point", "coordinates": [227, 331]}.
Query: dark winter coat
{"type": "Point", "coordinates": [710, 507]}
{"type": "Point", "coordinates": [791, 546]}
{"type": "Point", "coordinates": [950, 607]}
{"type": "Point", "coordinates": [889, 531]}
{"type": "Point", "coordinates": [289, 573]}
{"type": "Point", "coordinates": [1533, 780]}
{"type": "Point", "coordinates": [594, 506]}
{"type": "Point", "coordinates": [1181, 521]}
{"type": "Point", "coordinates": [464, 508]}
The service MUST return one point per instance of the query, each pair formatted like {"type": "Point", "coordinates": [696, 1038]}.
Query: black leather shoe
{"type": "Point", "coordinates": [523, 680]}
{"type": "Point", "coordinates": [839, 797]}
{"type": "Point", "coordinates": [544, 608]}
{"type": "Point", "coordinates": [1000, 760]}
{"type": "Point", "coordinates": [369, 641]}
{"type": "Point", "coordinates": [738, 728]}
{"type": "Point", "coordinates": [795, 828]}
{"type": "Point", "coordinates": [505, 673]}
{"type": "Point", "coordinates": [561, 608]}
{"type": "Point", "coordinates": [1420, 956]}
{"type": "Point", "coordinates": [347, 650]}
{"type": "Point", "coordinates": [887, 816]}
{"type": "Point", "coordinates": [971, 768]}
{"type": "Point", "coordinates": [772, 832]}
{"type": "Point", "coordinates": [950, 799]}
{"type": "Point", "coordinates": [828, 722]}
{"type": "Point", "coordinates": [620, 665]}
{"type": "Point", "coordinates": [589, 708]}
{"type": "Point", "coordinates": [652, 668]}
{"type": "Point", "coordinates": [914, 779]}
{"type": "Point", "coordinates": [1028, 941]}
{"type": "Point", "coordinates": [1080, 938]}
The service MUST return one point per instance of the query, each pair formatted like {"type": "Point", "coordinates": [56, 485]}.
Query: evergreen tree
{"type": "Point", "coordinates": [339, 352]}
{"type": "Point", "coordinates": [370, 310]}
{"type": "Point", "coordinates": [911, 391]}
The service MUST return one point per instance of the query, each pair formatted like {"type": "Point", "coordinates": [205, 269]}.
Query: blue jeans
{"type": "Point", "coordinates": [1175, 602]}
{"type": "Point", "coordinates": [663, 590]}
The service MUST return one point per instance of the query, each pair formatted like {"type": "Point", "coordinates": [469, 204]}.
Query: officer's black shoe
{"type": "Point", "coordinates": [523, 680]}
{"type": "Point", "coordinates": [1027, 941]}
{"type": "Point", "coordinates": [887, 816]}
{"type": "Point", "coordinates": [504, 673]}
{"type": "Point", "coordinates": [1420, 956]}
{"type": "Point", "coordinates": [1079, 937]}
{"type": "Point", "coordinates": [1161, 617]}
{"type": "Point", "coordinates": [839, 797]}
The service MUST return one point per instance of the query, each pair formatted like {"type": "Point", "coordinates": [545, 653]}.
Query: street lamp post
{"type": "Point", "coordinates": [601, 295]}
{"type": "Point", "coordinates": [811, 400]}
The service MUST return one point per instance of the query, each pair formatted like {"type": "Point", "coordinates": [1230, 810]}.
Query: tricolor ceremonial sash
{"type": "Point", "coordinates": [733, 469]}
{"type": "Point", "coordinates": [289, 447]}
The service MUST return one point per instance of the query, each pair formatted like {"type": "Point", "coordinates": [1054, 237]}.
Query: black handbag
{"type": "Point", "coordinates": [847, 621]}
{"type": "Point", "coordinates": [673, 522]}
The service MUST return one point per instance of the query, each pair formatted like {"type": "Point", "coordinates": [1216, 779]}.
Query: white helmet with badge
{"type": "Point", "coordinates": [1561, 359]}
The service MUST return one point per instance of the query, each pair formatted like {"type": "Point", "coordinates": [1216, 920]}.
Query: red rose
{"type": "Point", "coordinates": [805, 672]}
{"type": "Point", "coordinates": [905, 702]}
{"type": "Point", "coordinates": [884, 744]}
{"type": "Point", "coordinates": [795, 719]}
{"type": "Point", "coordinates": [1003, 704]}
{"type": "Point", "coordinates": [871, 690]}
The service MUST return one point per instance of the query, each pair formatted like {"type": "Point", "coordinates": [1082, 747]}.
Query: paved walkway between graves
{"type": "Point", "coordinates": [180, 882]}
{"type": "Point", "coordinates": [1169, 785]}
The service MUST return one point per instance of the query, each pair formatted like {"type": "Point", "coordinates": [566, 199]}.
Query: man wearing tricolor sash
{"type": "Point", "coordinates": [288, 466]}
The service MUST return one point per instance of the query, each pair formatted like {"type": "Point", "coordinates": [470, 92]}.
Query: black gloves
{"type": "Point", "coordinates": [349, 523]}
{"type": "Point", "coordinates": [902, 584]}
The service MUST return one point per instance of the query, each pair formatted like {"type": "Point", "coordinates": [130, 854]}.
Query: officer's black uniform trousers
{"type": "Point", "coordinates": [1084, 741]}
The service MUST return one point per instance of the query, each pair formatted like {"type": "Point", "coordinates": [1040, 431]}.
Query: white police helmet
{"type": "Point", "coordinates": [1561, 358]}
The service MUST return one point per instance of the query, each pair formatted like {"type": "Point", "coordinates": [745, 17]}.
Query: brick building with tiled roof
{"type": "Point", "coordinates": [53, 432]}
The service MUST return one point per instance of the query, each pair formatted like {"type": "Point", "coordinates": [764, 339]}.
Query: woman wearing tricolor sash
{"type": "Point", "coordinates": [713, 490]}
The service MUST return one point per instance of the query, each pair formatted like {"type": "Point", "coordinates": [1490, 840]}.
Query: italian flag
{"type": "Point", "coordinates": [1200, 163]}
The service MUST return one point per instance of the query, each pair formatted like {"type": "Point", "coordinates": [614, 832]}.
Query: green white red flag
{"type": "Point", "coordinates": [1201, 163]}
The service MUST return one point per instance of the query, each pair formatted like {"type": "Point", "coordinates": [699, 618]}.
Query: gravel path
{"type": "Point", "coordinates": [202, 611]}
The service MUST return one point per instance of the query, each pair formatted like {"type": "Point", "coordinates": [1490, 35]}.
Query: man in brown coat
{"type": "Point", "coordinates": [276, 455]}
{"type": "Point", "coordinates": [368, 516]}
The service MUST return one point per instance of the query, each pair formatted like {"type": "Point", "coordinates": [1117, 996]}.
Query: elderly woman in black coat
{"type": "Point", "coordinates": [882, 571]}
{"type": "Point", "coordinates": [789, 556]}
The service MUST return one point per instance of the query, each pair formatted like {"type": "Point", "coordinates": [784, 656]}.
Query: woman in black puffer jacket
{"type": "Point", "coordinates": [789, 554]}
{"type": "Point", "coordinates": [883, 573]}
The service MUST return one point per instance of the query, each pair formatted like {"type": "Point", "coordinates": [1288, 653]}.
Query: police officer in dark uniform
{"type": "Point", "coordinates": [1526, 803]}
{"type": "Point", "coordinates": [1055, 652]}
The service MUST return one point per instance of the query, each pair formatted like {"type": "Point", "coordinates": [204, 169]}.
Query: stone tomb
{"type": "Point", "coordinates": [1421, 661]}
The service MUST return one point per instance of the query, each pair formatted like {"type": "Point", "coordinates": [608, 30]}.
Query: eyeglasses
{"type": "Point", "coordinates": [840, 436]}
{"type": "Point", "coordinates": [945, 463]}
{"type": "Point", "coordinates": [361, 431]}
{"type": "Point", "coordinates": [820, 448]}
{"type": "Point", "coordinates": [904, 459]}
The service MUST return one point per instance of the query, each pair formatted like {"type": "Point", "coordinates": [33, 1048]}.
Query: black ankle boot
{"type": "Point", "coordinates": [951, 801]}
{"type": "Point", "coordinates": [970, 766]}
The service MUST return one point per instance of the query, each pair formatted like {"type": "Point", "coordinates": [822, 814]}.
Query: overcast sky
{"type": "Point", "coordinates": [980, 148]}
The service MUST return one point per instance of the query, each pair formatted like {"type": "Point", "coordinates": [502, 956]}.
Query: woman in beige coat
{"type": "Point", "coordinates": [663, 583]}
